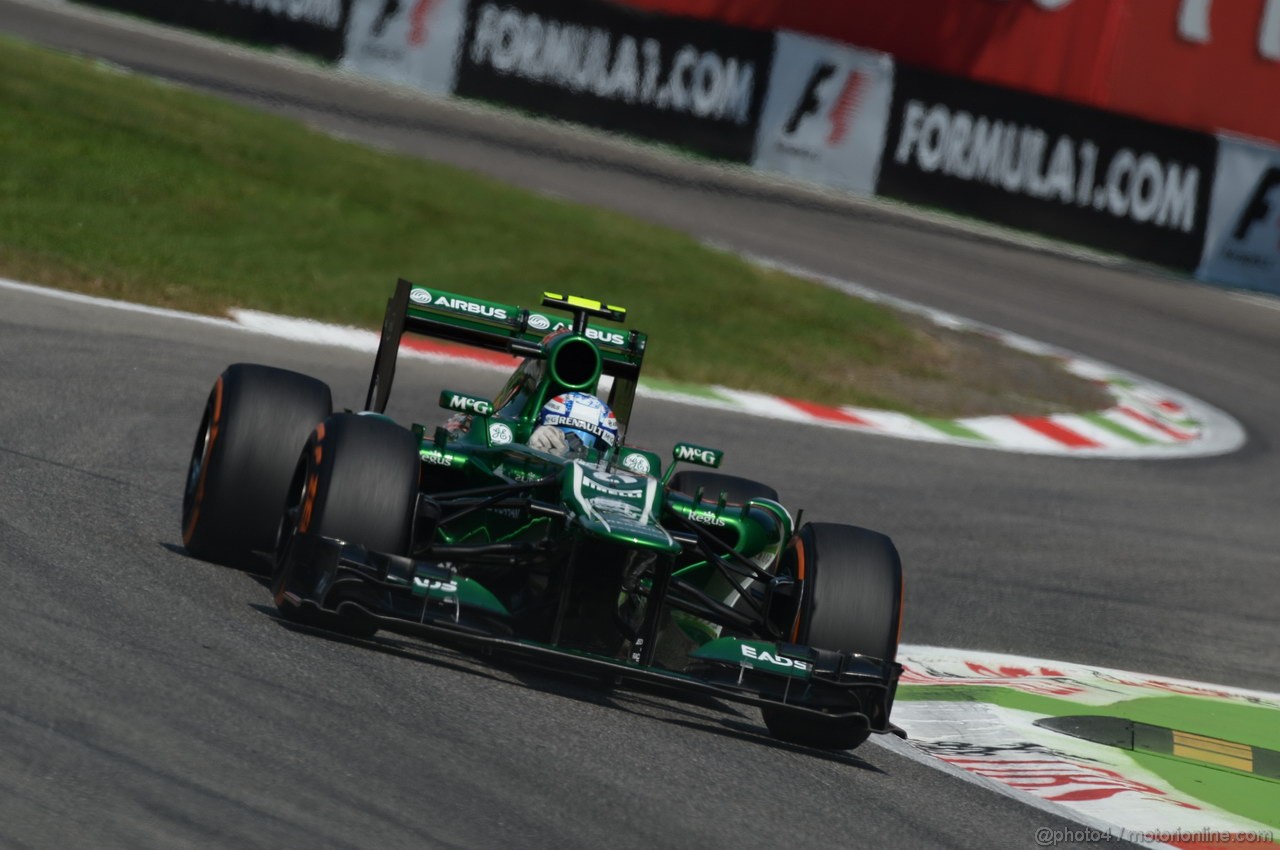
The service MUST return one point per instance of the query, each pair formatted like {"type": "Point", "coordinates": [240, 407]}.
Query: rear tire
{"type": "Point", "coordinates": [851, 602]}
{"type": "Point", "coordinates": [737, 490]}
{"type": "Point", "coordinates": [357, 481]}
{"type": "Point", "coordinates": [256, 419]}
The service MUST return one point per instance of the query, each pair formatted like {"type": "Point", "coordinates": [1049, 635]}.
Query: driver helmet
{"type": "Point", "coordinates": [581, 416]}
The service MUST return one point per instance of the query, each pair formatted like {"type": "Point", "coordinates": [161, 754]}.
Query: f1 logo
{"type": "Point", "coordinates": [841, 110]}
{"type": "Point", "coordinates": [809, 103]}
{"type": "Point", "coordinates": [1257, 209]}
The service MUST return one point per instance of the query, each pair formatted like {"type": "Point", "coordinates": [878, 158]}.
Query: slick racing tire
{"type": "Point", "coordinates": [255, 421]}
{"type": "Point", "coordinates": [737, 490]}
{"type": "Point", "coordinates": [357, 480]}
{"type": "Point", "coordinates": [851, 601]}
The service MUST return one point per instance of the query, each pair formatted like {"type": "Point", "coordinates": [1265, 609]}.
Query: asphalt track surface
{"type": "Point", "coordinates": [151, 700]}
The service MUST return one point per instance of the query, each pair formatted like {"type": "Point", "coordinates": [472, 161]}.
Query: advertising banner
{"type": "Point", "coordinates": [825, 112]}
{"type": "Point", "coordinates": [693, 84]}
{"type": "Point", "coordinates": [309, 26]}
{"type": "Point", "coordinates": [412, 42]}
{"type": "Point", "coordinates": [1097, 178]}
{"type": "Point", "coordinates": [1242, 246]}
{"type": "Point", "coordinates": [1207, 65]}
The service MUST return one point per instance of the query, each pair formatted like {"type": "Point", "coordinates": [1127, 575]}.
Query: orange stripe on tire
{"type": "Point", "coordinates": [204, 462]}
{"type": "Point", "coordinates": [308, 502]}
{"type": "Point", "coordinates": [795, 628]}
{"type": "Point", "coordinates": [313, 482]}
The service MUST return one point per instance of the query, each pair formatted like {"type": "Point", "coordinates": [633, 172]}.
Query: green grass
{"type": "Point", "coordinates": [121, 186]}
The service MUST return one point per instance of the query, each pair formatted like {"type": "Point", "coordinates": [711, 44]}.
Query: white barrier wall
{"type": "Point", "coordinates": [411, 42]}
{"type": "Point", "coordinates": [825, 112]}
{"type": "Point", "coordinates": [1242, 245]}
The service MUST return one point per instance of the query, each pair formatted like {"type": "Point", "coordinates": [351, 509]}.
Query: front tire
{"type": "Point", "coordinates": [851, 601]}
{"type": "Point", "coordinates": [357, 480]}
{"type": "Point", "coordinates": [255, 420]}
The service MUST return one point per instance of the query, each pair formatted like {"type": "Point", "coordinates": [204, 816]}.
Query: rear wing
{"type": "Point", "coordinates": [501, 327]}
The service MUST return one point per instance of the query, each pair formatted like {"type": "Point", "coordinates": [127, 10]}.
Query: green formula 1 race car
{"type": "Point", "coordinates": [593, 558]}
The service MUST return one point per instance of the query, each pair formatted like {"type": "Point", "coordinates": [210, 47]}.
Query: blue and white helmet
{"type": "Point", "coordinates": [583, 416]}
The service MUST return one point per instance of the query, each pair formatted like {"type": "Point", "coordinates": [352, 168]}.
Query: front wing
{"type": "Point", "coordinates": [325, 576]}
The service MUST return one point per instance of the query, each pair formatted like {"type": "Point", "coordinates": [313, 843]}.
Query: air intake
{"type": "Point", "coordinates": [575, 363]}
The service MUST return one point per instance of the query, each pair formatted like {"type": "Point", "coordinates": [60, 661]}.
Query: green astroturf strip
{"type": "Point", "coordinates": [1117, 429]}
{"type": "Point", "coordinates": [1252, 797]}
{"type": "Point", "coordinates": [952, 428]}
{"type": "Point", "coordinates": [1248, 796]}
